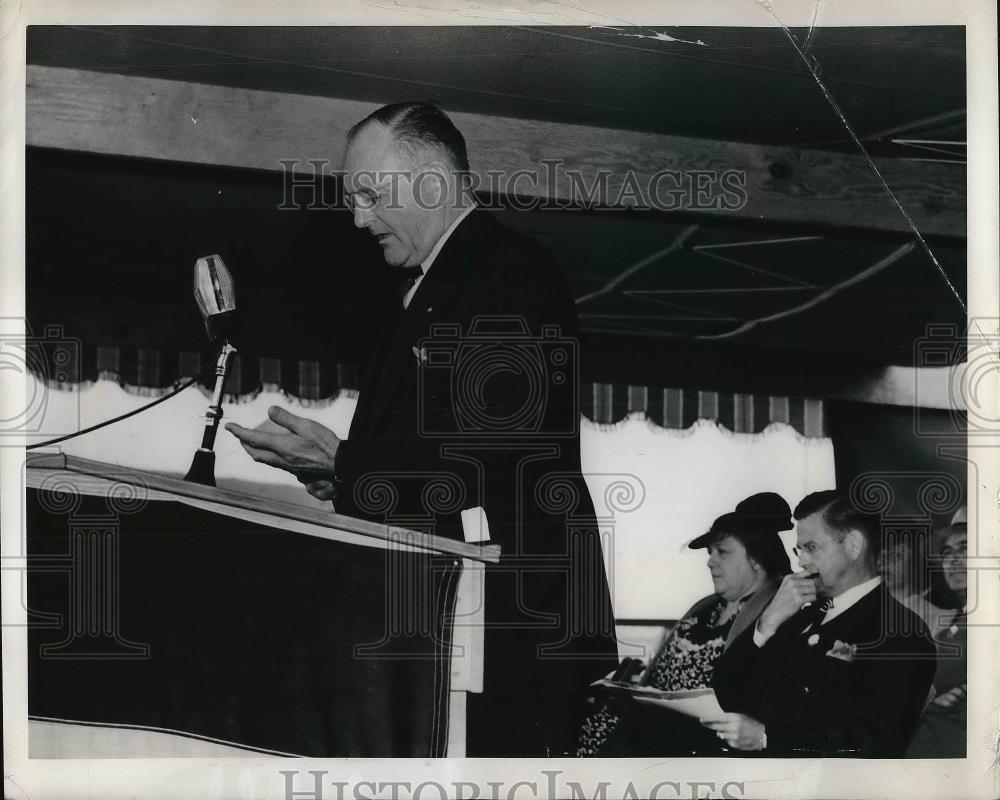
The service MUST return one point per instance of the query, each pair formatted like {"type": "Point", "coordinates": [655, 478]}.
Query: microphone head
{"type": "Point", "coordinates": [215, 293]}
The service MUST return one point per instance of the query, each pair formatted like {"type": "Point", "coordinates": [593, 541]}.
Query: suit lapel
{"type": "Point", "coordinates": [749, 613]}
{"type": "Point", "coordinates": [360, 423]}
{"type": "Point", "coordinates": [443, 281]}
{"type": "Point", "coordinates": [857, 621]}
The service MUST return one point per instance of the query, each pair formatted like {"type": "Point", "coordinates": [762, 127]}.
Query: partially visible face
{"type": "Point", "coordinates": [953, 554]}
{"type": "Point", "coordinates": [894, 563]}
{"type": "Point", "coordinates": [820, 552]}
{"type": "Point", "coordinates": [379, 180]}
{"type": "Point", "coordinates": [732, 572]}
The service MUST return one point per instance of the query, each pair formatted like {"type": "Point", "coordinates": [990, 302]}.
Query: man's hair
{"type": "Point", "coordinates": [420, 125]}
{"type": "Point", "coordinates": [841, 516]}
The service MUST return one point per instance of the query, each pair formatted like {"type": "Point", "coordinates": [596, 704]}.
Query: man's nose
{"type": "Point", "coordinates": [362, 217]}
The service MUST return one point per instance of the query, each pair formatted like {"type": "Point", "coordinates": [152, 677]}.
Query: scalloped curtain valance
{"type": "Point", "coordinates": [680, 407]}
{"type": "Point", "coordinates": [316, 383]}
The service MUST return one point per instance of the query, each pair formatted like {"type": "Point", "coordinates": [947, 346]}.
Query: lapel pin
{"type": "Point", "coordinates": [420, 354]}
{"type": "Point", "coordinates": [813, 640]}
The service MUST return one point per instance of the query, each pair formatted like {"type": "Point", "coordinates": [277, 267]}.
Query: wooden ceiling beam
{"type": "Point", "coordinates": [123, 115]}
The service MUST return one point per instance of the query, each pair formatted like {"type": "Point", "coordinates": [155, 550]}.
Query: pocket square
{"type": "Point", "coordinates": [842, 650]}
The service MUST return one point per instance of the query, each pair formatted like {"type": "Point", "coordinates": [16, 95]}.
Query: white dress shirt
{"type": "Point", "coordinates": [845, 600]}
{"type": "Point", "coordinates": [427, 262]}
{"type": "Point", "coordinates": [835, 606]}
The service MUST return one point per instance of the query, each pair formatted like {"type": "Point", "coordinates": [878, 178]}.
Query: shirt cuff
{"type": "Point", "coordinates": [759, 638]}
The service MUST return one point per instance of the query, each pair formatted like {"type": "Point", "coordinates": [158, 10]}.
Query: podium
{"type": "Point", "coordinates": [170, 618]}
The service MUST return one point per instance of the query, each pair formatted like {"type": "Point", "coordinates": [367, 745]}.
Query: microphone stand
{"type": "Point", "coordinates": [203, 464]}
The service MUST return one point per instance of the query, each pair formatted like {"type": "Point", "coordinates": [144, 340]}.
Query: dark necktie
{"type": "Point", "coordinates": [812, 615]}
{"type": "Point", "coordinates": [410, 275]}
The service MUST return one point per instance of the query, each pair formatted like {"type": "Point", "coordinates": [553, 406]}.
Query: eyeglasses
{"type": "Point", "coordinates": [369, 197]}
{"type": "Point", "coordinates": [363, 200]}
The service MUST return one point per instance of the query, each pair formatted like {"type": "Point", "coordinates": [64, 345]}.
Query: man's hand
{"type": "Point", "coordinates": [795, 591]}
{"type": "Point", "coordinates": [320, 489]}
{"type": "Point", "coordinates": [738, 731]}
{"type": "Point", "coordinates": [295, 444]}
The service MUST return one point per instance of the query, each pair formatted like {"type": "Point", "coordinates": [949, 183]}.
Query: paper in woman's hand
{"type": "Point", "coordinates": [697, 703]}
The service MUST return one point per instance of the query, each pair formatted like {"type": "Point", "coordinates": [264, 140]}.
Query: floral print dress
{"type": "Point", "coordinates": [685, 661]}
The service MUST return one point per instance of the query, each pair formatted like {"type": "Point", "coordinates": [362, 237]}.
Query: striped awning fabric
{"type": "Point", "coordinates": [680, 408]}
{"type": "Point", "coordinates": [314, 382]}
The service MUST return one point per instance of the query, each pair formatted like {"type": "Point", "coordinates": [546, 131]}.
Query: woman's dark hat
{"type": "Point", "coordinates": [762, 513]}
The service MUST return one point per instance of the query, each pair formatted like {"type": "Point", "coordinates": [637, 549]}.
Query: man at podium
{"type": "Point", "coordinates": [469, 400]}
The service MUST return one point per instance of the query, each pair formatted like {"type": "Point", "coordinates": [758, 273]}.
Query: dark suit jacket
{"type": "Point", "coordinates": [942, 729]}
{"type": "Point", "coordinates": [470, 399]}
{"type": "Point", "coordinates": [815, 703]}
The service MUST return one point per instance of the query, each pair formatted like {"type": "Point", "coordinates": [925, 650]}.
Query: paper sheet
{"type": "Point", "coordinates": [697, 703]}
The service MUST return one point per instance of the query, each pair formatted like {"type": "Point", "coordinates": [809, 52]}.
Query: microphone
{"type": "Point", "coordinates": [215, 294]}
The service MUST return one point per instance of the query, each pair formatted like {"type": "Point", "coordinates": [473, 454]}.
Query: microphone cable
{"type": "Point", "coordinates": [157, 401]}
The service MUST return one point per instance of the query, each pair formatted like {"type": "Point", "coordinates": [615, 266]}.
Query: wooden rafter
{"type": "Point", "coordinates": [207, 124]}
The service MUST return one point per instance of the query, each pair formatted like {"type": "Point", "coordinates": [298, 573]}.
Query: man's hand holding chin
{"type": "Point", "coordinates": [796, 589]}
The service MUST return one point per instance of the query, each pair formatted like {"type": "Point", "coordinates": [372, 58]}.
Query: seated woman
{"type": "Point", "coordinates": [747, 561]}
{"type": "Point", "coordinates": [941, 733]}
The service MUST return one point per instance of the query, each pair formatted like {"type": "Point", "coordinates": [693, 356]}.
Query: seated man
{"type": "Point", "coordinates": [942, 729]}
{"type": "Point", "coordinates": [834, 666]}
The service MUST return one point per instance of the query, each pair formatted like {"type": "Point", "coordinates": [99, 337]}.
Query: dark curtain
{"type": "Point", "coordinates": [162, 616]}
{"type": "Point", "coordinates": [111, 244]}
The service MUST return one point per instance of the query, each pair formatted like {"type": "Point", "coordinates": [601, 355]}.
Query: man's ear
{"type": "Point", "coordinates": [855, 544]}
{"type": "Point", "coordinates": [431, 184]}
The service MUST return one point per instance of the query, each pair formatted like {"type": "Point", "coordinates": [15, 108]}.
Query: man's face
{"type": "Point", "coordinates": [821, 552]}
{"type": "Point", "coordinates": [953, 555]}
{"type": "Point", "coordinates": [379, 181]}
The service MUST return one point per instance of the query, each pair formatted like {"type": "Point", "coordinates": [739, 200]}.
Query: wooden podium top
{"type": "Point", "coordinates": [94, 477]}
